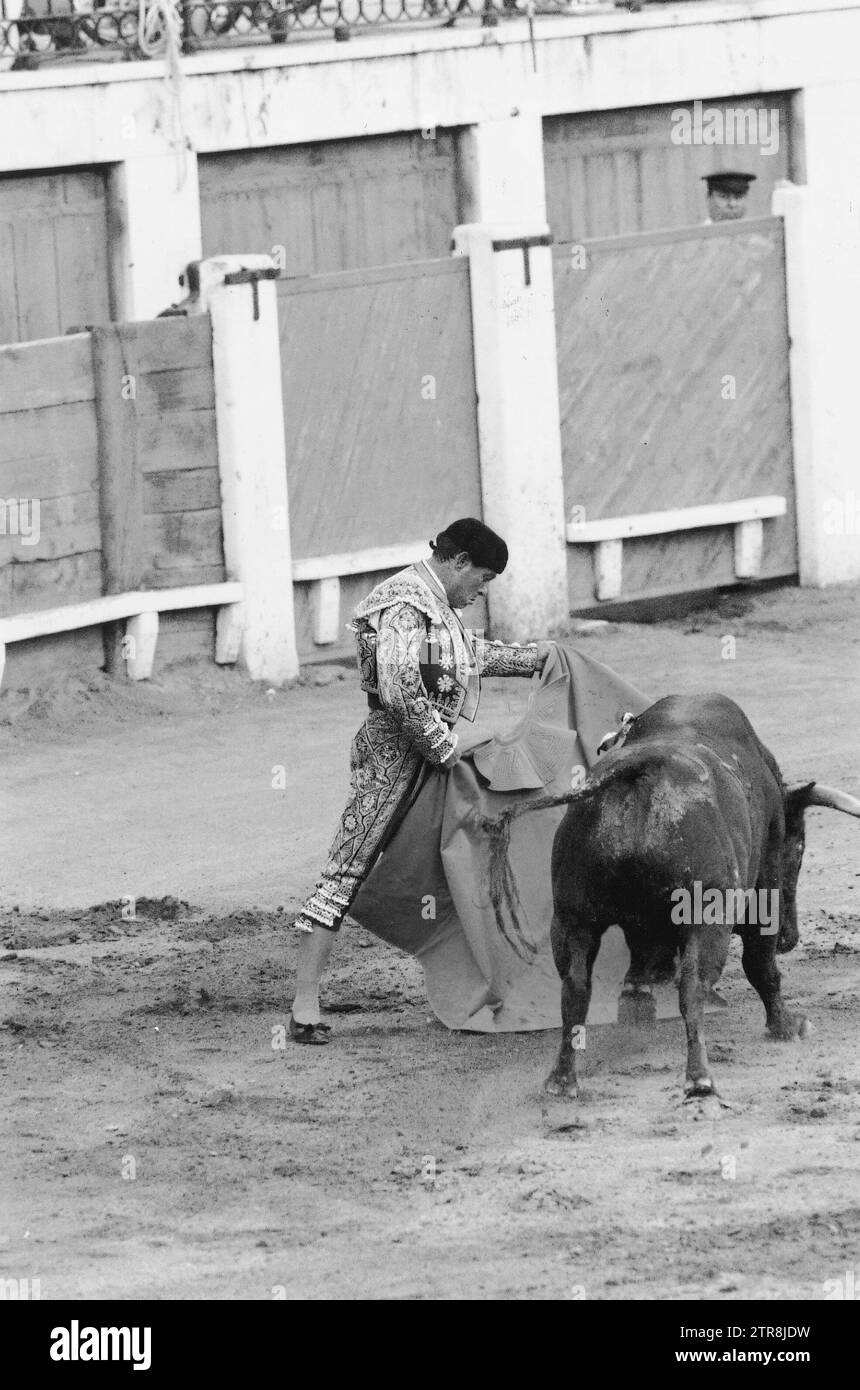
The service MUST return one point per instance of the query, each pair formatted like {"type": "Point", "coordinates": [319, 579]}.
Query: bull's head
{"type": "Point", "coordinates": [796, 800]}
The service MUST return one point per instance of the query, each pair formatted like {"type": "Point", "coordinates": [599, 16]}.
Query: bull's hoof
{"type": "Point", "coordinates": [789, 1027]}
{"type": "Point", "coordinates": [561, 1084]}
{"type": "Point", "coordinates": [696, 1087]}
{"type": "Point", "coordinates": [706, 1107]}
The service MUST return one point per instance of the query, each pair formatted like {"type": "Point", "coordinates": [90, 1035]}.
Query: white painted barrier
{"type": "Point", "coordinates": [326, 571]}
{"type": "Point", "coordinates": [141, 611]}
{"type": "Point", "coordinates": [608, 534]}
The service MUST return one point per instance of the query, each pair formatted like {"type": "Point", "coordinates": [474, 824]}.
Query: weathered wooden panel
{"type": "Point", "coordinates": [159, 448]}
{"type": "Point", "coordinates": [8, 287]}
{"type": "Point", "coordinates": [50, 475]}
{"type": "Point", "coordinates": [182, 490]}
{"type": "Point", "coordinates": [53, 254]}
{"type": "Point", "coordinates": [181, 541]}
{"type": "Point", "coordinates": [166, 577]}
{"type": "Point", "coordinates": [380, 408]}
{"type": "Point", "coordinates": [185, 635]}
{"type": "Point", "coordinates": [54, 433]}
{"type": "Point", "coordinates": [48, 456]}
{"type": "Point", "coordinates": [50, 583]}
{"type": "Point", "coordinates": [673, 377]}
{"type": "Point", "coordinates": [176, 343]}
{"type": "Point", "coordinates": [177, 454]}
{"type": "Point", "coordinates": [56, 372]}
{"type": "Point", "coordinates": [66, 526]}
{"type": "Point", "coordinates": [610, 173]}
{"type": "Point", "coordinates": [177, 389]}
{"type": "Point", "coordinates": [180, 439]}
{"type": "Point", "coordinates": [120, 482]}
{"type": "Point", "coordinates": [336, 205]}
{"type": "Point", "coordinates": [37, 279]}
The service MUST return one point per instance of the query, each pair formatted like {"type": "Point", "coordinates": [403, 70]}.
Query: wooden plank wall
{"type": "Point", "coordinates": [49, 448]}
{"type": "Point", "coordinates": [174, 405]}
{"type": "Point", "coordinates": [53, 253]}
{"type": "Point", "coordinates": [380, 413]}
{"type": "Point", "coordinates": [648, 334]}
{"type": "Point", "coordinates": [48, 451]}
{"type": "Point", "coordinates": [380, 407]}
{"type": "Point", "coordinates": [336, 205]}
{"type": "Point", "coordinates": [611, 173]}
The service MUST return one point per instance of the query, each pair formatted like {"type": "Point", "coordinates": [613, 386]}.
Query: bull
{"type": "Point", "coordinates": [687, 800]}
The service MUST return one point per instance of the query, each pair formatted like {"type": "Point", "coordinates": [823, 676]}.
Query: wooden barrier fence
{"type": "Point", "coordinates": [108, 439]}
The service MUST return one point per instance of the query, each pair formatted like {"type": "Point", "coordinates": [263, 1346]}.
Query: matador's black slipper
{"type": "Point", "coordinates": [314, 1034]}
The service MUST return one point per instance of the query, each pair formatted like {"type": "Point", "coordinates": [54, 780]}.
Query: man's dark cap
{"type": "Point", "coordinates": [729, 181]}
{"type": "Point", "coordinates": [483, 547]}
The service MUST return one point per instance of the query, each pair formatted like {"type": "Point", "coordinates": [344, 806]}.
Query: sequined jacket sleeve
{"type": "Point", "coordinates": [504, 658]}
{"type": "Point", "coordinates": [401, 631]}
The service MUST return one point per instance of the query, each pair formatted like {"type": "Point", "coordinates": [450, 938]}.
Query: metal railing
{"type": "Point", "coordinates": [32, 31]}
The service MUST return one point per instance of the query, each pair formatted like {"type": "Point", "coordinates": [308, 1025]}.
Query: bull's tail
{"type": "Point", "coordinates": [504, 894]}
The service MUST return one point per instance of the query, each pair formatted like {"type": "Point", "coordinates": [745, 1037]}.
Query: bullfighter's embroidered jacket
{"type": "Point", "coordinates": [421, 670]}
{"type": "Point", "coordinates": [423, 665]}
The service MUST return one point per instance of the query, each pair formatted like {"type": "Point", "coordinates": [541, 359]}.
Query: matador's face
{"type": "Point", "coordinates": [465, 582]}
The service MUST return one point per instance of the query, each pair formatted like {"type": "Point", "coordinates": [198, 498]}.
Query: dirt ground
{"type": "Point", "coordinates": [160, 1141]}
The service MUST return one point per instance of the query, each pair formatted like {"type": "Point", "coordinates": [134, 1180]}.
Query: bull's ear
{"type": "Point", "coordinates": [796, 799]}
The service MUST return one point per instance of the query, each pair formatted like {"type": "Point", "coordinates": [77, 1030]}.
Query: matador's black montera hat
{"type": "Point", "coordinates": [483, 547]}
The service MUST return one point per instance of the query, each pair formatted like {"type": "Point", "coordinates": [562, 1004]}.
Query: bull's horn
{"type": "Point", "coordinates": [820, 795]}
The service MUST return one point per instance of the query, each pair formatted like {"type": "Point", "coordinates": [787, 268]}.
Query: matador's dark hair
{"type": "Point", "coordinates": [483, 547]}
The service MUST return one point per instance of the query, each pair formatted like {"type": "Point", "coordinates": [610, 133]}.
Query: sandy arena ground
{"type": "Point", "coordinates": [159, 1143]}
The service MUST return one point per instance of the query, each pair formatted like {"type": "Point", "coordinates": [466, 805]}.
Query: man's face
{"type": "Point", "coordinates": [467, 582]}
{"type": "Point", "coordinates": [726, 207]}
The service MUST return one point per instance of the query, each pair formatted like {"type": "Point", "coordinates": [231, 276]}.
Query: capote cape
{"type": "Point", "coordinates": [427, 894]}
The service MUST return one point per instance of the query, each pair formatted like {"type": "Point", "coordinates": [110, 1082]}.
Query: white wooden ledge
{"type": "Point", "coordinates": [141, 612]}
{"type": "Point", "coordinates": [608, 535]}
{"type": "Point", "coordinates": [324, 572]}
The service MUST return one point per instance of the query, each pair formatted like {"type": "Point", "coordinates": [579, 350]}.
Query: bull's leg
{"type": "Point", "coordinates": [639, 977]}
{"type": "Point", "coordinates": [652, 961]}
{"type": "Point", "coordinates": [759, 962]}
{"type": "Point", "coordinates": [702, 961]}
{"type": "Point", "coordinates": [637, 1007]}
{"type": "Point", "coordinates": [574, 950]}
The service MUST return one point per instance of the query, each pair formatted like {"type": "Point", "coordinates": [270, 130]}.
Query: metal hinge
{"type": "Point", "coordinates": [252, 278]}
{"type": "Point", "coordinates": [524, 243]}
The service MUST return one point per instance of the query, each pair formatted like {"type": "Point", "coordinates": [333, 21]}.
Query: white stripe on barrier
{"type": "Point", "coordinates": [608, 534]}
{"type": "Point", "coordinates": [141, 610]}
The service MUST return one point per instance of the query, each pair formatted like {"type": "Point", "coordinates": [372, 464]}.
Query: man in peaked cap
{"type": "Point", "coordinates": [727, 195]}
{"type": "Point", "coordinates": [421, 670]}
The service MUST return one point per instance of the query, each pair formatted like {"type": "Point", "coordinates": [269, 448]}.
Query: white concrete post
{"type": "Point", "coordinates": [822, 255]}
{"type": "Point", "coordinates": [519, 434]}
{"type": "Point", "coordinates": [155, 208]}
{"type": "Point", "coordinates": [501, 169]}
{"type": "Point", "coordinates": [252, 457]}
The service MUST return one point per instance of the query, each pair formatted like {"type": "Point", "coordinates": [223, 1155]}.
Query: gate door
{"type": "Point", "coordinates": [53, 254]}
{"type": "Point", "coordinates": [335, 205]}
{"type": "Point", "coordinates": [380, 414]}
{"type": "Point", "coordinates": [673, 376]}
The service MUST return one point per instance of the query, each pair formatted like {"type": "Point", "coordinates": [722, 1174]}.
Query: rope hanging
{"type": "Point", "coordinates": [159, 31]}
